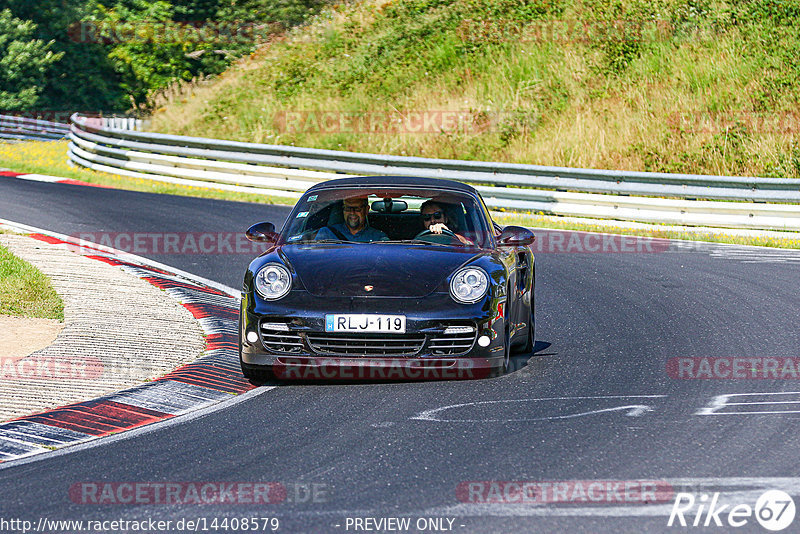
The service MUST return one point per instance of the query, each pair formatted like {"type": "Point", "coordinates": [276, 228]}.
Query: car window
{"type": "Point", "coordinates": [393, 215]}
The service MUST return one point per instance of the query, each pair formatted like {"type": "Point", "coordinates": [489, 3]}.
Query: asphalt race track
{"type": "Point", "coordinates": [600, 401]}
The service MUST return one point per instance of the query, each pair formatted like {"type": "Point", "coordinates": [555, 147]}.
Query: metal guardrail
{"type": "Point", "coordinates": [16, 128]}
{"type": "Point", "coordinates": [727, 201]}
{"type": "Point", "coordinates": [122, 123]}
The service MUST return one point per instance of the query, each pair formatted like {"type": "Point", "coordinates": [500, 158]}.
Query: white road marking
{"type": "Point", "coordinates": [152, 427]}
{"type": "Point", "coordinates": [634, 410]}
{"type": "Point", "coordinates": [754, 255]}
{"type": "Point", "coordinates": [41, 178]}
{"type": "Point", "coordinates": [720, 402]}
{"type": "Point", "coordinates": [24, 228]}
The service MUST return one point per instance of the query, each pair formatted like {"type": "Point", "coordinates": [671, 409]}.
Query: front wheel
{"type": "Point", "coordinates": [506, 367]}
{"type": "Point", "coordinates": [531, 334]}
{"type": "Point", "coordinates": [507, 356]}
{"type": "Point", "coordinates": [258, 375]}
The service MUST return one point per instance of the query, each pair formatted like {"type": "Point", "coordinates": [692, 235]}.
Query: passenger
{"type": "Point", "coordinates": [435, 219]}
{"type": "Point", "coordinates": [355, 226]}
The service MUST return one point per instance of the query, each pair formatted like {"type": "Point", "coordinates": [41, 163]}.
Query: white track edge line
{"type": "Point", "coordinates": [135, 432]}
{"type": "Point", "coordinates": [24, 228]}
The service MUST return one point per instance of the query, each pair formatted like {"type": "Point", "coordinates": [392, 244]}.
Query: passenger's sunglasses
{"type": "Point", "coordinates": [434, 215]}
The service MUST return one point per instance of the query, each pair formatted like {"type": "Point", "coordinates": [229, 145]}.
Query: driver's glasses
{"type": "Point", "coordinates": [432, 216]}
{"type": "Point", "coordinates": [354, 209]}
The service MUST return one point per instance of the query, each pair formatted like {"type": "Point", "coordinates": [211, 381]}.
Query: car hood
{"type": "Point", "coordinates": [392, 270]}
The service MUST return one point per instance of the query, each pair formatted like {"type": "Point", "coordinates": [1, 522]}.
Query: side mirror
{"type": "Point", "coordinates": [263, 232]}
{"type": "Point", "coordinates": [516, 236]}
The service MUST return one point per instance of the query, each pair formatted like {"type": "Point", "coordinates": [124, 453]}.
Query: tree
{"type": "Point", "coordinates": [118, 52]}
{"type": "Point", "coordinates": [150, 50]}
{"type": "Point", "coordinates": [286, 12]}
{"type": "Point", "coordinates": [23, 63]}
{"type": "Point", "coordinates": [84, 79]}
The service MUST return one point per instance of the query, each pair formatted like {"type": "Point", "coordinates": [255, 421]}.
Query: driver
{"type": "Point", "coordinates": [355, 226]}
{"type": "Point", "coordinates": [435, 219]}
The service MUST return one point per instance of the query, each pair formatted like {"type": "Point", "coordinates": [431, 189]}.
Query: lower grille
{"type": "Point", "coordinates": [451, 344]}
{"type": "Point", "coordinates": [366, 344]}
{"type": "Point", "coordinates": [280, 340]}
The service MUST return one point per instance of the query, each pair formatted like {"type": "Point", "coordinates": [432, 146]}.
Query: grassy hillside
{"type": "Point", "coordinates": [25, 291]}
{"type": "Point", "coordinates": [667, 85]}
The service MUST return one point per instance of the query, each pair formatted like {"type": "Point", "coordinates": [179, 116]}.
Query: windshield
{"type": "Point", "coordinates": [365, 215]}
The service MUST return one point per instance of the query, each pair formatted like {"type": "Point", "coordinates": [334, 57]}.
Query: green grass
{"type": "Point", "coordinates": [577, 99]}
{"type": "Point", "coordinates": [25, 291]}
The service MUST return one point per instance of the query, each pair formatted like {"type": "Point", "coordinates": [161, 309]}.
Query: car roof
{"type": "Point", "coordinates": [394, 182]}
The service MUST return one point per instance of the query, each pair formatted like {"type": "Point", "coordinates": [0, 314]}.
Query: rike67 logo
{"type": "Point", "coordinates": [774, 510]}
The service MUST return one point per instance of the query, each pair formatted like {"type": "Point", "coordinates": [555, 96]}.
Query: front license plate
{"type": "Point", "coordinates": [360, 322]}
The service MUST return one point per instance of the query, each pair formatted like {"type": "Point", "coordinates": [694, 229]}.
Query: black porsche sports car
{"type": "Point", "coordinates": [387, 277]}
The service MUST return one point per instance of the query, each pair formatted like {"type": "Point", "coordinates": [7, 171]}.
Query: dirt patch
{"type": "Point", "coordinates": [21, 336]}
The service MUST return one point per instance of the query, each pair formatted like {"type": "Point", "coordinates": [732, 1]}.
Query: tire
{"type": "Point", "coordinates": [507, 355]}
{"type": "Point", "coordinates": [504, 369]}
{"type": "Point", "coordinates": [531, 341]}
{"type": "Point", "coordinates": [528, 348]}
{"type": "Point", "coordinates": [257, 374]}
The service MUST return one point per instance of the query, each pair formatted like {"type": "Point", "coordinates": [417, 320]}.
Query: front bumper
{"type": "Point", "coordinates": [300, 355]}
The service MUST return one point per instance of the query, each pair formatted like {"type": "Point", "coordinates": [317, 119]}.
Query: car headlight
{"type": "Point", "coordinates": [273, 281]}
{"type": "Point", "coordinates": [469, 285]}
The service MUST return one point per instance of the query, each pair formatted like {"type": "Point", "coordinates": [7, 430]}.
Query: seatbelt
{"type": "Point", "coordinates": [337, 233]}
